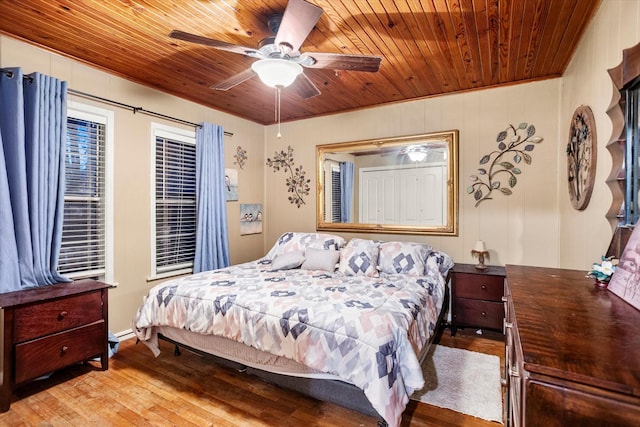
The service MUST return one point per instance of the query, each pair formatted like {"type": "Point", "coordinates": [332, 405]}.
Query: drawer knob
{"type": "Point", "coordinates": [64, 349]}
{"type": "Point", "coordinates": [484, 287]}
{"type": "Point", "coordinates": [62, 315]}
{"type": "Point", "coordinates": [484, 314]}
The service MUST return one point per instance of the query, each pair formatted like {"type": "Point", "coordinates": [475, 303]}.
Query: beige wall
{"type": "Point", "coordinates": [519, 229]}
{"type": "Point", "coordinates": [535, 226]}
{"type": "Point", "coordinates": [585, 235]}
{"type": "Point", "coordinates": [132, 188]}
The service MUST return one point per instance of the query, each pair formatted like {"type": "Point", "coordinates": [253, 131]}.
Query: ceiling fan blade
{"type": "Point", "coordinates": [217, 44]}
{"type": "Point", "coordinates": [336, 61]}
{"type": "Point", "coordinates": [234, 80]}
{"type": "Point", "coordinates": [305, 87]}
{"type": "Point", "coordinates": [297, 22]}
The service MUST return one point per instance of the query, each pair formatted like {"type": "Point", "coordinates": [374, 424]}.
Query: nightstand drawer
{"type": "Point", "coordinates": [43, 319]}
{"type": "Point", "coordinates": [477, 313]}
{"type": "Point", "coordinates": [38, 357]}
{"type": "Point", "coordinates": [477, 286]}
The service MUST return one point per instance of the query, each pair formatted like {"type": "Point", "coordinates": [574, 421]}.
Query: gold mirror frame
{"type": "Point", "coordinates": [387, 146]}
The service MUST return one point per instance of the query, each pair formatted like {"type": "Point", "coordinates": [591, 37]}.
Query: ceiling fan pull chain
{"type": "Point", "coordinates": [278, 89]}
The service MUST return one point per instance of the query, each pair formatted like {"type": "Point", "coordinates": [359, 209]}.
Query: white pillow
{"type": "Point", "coordinates": [287, 261]}
{"type": "Point", "coordinates": [320, 259]}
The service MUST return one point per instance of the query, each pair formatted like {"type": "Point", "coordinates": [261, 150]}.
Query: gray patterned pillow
{"type": "Point", "coordinates": [403, 258]}
{"type": "Point", "coordinates": [359, 258]}
{"type": "Point", "coordinates": [290, 241]}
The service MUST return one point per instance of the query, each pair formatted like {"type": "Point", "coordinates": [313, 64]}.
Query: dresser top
{"type": "Point", "coordinates": [573, 330]}
{"type": "Point", "coordinates": [51, 292]}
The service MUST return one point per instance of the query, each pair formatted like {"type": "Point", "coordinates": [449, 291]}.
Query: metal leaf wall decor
{"type": "Point", "coordinates": [240, 156]}
{"type": "Point", "coordinates": [297, 183]}
{"type": "Point", "coordinates": [500, 168]}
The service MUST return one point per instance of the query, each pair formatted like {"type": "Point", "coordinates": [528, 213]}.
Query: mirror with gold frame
{"type": "Point", "coordinates": [405, 185]}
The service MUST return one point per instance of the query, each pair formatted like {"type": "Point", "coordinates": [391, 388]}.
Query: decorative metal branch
{"type": "Point", "coordinates": [501, 174]}
{"type": "Point", "coordinates": [296, 181]}
{"type": "Point", "coordinates": [240, 156]}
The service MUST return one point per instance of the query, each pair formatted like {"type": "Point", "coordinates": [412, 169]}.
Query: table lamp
{"type": "Point", "coordinates": [480, 250]}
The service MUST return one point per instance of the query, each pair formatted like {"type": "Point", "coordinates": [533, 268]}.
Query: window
{"type": "Point", "coordinates": [86, 249]}
{"type": "Point", "coordinates": [336, 195]}
{"type": "Point", "coordinates": [332, 199]}
{"type": "Point", "coordinates": [632, 155]}
{"type": "Point", "coordinates": [174, 210]}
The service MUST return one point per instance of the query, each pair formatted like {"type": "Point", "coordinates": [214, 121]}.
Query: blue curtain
{"type": "Point", "coordinates": [33, 131]}
{"type": "Point", "coordinates": [212, 237]}
{"type": "Point", "coordinates": [346, 190]}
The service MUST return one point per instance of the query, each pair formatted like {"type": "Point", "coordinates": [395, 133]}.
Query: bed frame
{"type": "Point", "coordinates": [326, 390]}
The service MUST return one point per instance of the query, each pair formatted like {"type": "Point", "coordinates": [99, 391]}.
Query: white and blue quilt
{"type": "Point", "coordinates": [365, 330]}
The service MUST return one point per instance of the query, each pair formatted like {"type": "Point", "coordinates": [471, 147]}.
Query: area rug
{"type": "Point", "coordinates": [463, 381]}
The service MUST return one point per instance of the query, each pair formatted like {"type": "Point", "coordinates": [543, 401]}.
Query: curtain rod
{"type": "Point", "coordinates": [122, 105]}
{"type": "Point", "coordinates": [135, 109]}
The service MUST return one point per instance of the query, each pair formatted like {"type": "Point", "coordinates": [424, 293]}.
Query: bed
{"type": "Point", "coordinates": [344, 322]}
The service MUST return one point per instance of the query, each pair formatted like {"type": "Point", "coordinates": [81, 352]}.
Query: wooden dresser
{"type": "Point", "coordinates": [572, 351]}
{"type": "Point", "coordinates": [477, 297]}
{"type": "Point", "coordinates": [51, 327]}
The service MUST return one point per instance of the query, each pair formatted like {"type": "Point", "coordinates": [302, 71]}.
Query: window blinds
{"type": "Point", "coordinates": [82, 253]}
{"type": "Point", "coordinates": [175, 207]}
{"type": "Point", "coordinates": [336, 196]}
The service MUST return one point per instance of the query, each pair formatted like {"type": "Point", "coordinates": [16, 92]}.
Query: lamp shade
{"type": "Point", "coordinates": [276, 72]}
{"type": "Point", "coordinates": [480, 246]}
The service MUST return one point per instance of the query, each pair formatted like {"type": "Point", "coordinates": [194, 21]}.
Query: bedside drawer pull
{"type": "Point", "coordinates": [64, 349]}
{"type": "Point", "coordinates": [62, 315]}
{"type": "Point", "coordinates": [508, 325]}
{"type": "Point", "coordinates": [483, 314]}
{"type": "Point", "coordinates": [484, 287]}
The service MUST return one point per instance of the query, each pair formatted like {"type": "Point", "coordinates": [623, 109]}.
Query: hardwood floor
{"type": "Point", "coordinates": [189, 390]}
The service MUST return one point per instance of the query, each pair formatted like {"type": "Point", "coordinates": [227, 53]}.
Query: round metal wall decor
{"type": "Point", "coordinates": [581, 157]}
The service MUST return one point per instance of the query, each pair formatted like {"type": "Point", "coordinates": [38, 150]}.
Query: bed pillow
{"type": "Point", "coordinates": [291, 242]}
{"type": "Point", "coordinates": [320, 259]}
{"type": "Point", "coordinates": [293, 259]}
{"type": "Point", "coordinates": [439, 261]}
{"type": "Point", "coordinates": [403, 258]}
{"type": "Point", "coordinates": [359, 258]}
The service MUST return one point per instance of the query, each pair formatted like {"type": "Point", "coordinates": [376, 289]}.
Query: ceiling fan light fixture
{"type": "Point", "coordinates": [416, 153]}
{"type": "Point", "coordinates": [275, 72]}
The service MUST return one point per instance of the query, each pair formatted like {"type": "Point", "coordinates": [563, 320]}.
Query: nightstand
{"type": "Point", "coordinates": [476, 297]}
{"type": "Point", "coordinates": [49, 328]}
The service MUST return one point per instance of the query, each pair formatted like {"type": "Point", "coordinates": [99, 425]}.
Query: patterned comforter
{"type": "Point", "coordinates": [366, 330]}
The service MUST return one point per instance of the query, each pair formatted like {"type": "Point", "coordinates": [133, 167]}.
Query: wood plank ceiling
{"type": "Point", "coordinates": [428, 48]}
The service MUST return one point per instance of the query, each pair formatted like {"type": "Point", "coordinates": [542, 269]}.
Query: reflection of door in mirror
{"type": "Point", "coordinates": [388, 190]}
{"type": "Point", "coordinates": [410, 195]}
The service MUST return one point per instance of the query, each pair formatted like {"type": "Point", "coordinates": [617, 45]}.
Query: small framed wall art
{"type": "Point", "coordinates": [581, 157]}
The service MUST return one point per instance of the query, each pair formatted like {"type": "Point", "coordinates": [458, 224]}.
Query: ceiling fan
{"type": "Point", "coordinates": [280, 61]}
